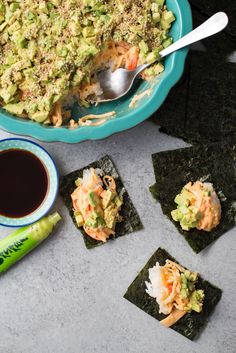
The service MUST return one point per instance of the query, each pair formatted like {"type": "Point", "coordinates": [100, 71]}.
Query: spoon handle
{"type": "Point", "coordinates": [213, 25]}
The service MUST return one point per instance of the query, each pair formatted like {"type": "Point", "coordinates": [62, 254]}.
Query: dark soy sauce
{"type": "Point", "coordinates": [23, 183]}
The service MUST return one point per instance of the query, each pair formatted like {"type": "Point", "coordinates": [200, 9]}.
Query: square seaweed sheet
{"type": "Point", "coordinates": [131, 221]}
{"type": "Point", "coordinates": [209, 7]}
{"type": "Point", "coordinates": [190, 324]}
{"type": "Point", "coordinates": [214, 163]}
{"type": "Point", "coordinates": [201, 108]}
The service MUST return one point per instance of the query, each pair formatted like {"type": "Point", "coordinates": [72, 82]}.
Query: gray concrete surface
{"type": "Point", "coordinates": [63, 298]}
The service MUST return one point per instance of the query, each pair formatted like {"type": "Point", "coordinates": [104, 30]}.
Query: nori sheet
{"type": "Point", "coordinates": [131, 221]}
{"type": "Point", "coordinates": [190, 324]}
{"type": "Point", "coordinates": [216, 163]}
{"type": "Point", "coordinates": [220, 45]}
{"type": "Point", "coordinates": [210, 7]}
{"type": "Point", "coordinates": [203, 108]}
{"type": "Point", "coordinates": [171, 115]}
{"type": "Point", "coordinates": [211, 106]}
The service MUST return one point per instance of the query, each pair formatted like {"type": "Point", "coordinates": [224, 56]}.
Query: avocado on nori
{"type": "Point", "coordinates": [210, 7]}
{"type": "Point", "coordinates": [215, 163]}
{"type": "Point", "coordinates": [131, 221]}
{"type": "Point", "coordinates": [190, 324]}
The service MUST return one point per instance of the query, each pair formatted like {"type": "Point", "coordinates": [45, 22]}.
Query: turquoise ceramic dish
{"type": "Point", "coordinates": [125, 117]}
{"type": "Point", "coordinates": [46, 159]}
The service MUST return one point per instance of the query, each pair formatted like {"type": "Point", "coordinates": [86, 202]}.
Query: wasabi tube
{"type": "Point", "coordinates": [22, 241]}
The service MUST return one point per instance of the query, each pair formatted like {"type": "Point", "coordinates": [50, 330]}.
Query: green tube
{"type": "Point", "coordinates": [22, 241]}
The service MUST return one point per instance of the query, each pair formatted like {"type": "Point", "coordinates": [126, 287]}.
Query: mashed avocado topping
{"type": "Point", "coordinates": [96, 204]}
{"type": "Point", "coordinates": [173, 287]}
{"type": "Point", "coordinates": [198, 207]}
{"type": "Point", "coordinates": [48, 47]}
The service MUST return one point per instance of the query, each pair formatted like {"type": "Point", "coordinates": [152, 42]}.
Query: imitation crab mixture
{"type": "Point", "coordinates": [49, 48]}
{"type": "Point", "coordinates": [198, 206]}
{"type": "Point", "coordinates": [97, 204]}
{"type": "Point", "coordinates": [173, 287]}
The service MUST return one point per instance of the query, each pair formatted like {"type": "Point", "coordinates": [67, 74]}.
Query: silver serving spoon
{"type": "Point", "coordinates": [116, 84]}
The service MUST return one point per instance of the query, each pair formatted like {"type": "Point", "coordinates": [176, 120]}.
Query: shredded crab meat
{"type": "Point", "coordinates": [173, 264]}
{"type": "Point", "coordinates": [137, 97]}
{"type": "Point", "coordinates": [115, 55]}
{"type": "Point", "coordinates": [208, 205]}
{"type": "Point", "coordinates": [73, 124]}
{"type": "Point", "coordinates": [109, 182]}
{"type": "Point", "coordinates": [56, 116]}
{"type": "Point", "coordinates": [87, 120]}
{"type": "Point", "coordinates": [173, 317]}
{"type": "Point", "coordinates": [171, 272]}
{"type": "Point", "coordinates": [98, 233]}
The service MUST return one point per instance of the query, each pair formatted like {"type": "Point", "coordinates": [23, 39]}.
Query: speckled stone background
{"type": "Point", "coordinates": [63, 298]}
